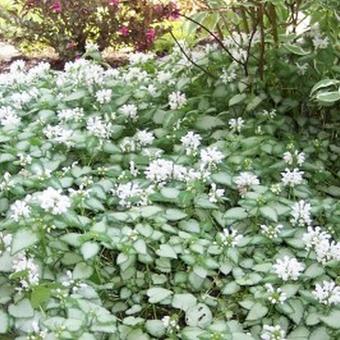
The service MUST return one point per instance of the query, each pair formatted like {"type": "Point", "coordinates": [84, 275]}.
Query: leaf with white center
{"type": "Point", "coordinates": [269, 212]}
{"type": "Point", "coordinates": [170, 193]}
{"type": "Point", "coordinates": [158, 294]}
{"type": "Point", "coordinates": [198, 316]}
{"type": "Point", "coordinates": [140, 247]}
{"type": "Point", "coordinates": [235, 214]}
{"type": "Point", "coordinates": [258, 311]}
{"type": "Point", "coordinates": [174, 214]}
{"type": "Point", "coordinates": [89, 250]}
{"type": "Point", "coordinates": [82, 271]}
{"type": "Point", "coordinates": [332, 319]}
{"type": "Point", "coordinates": [165, 250]}
{"type": "Point", "coordinates": [155, 327]}
{"type": "Point", "coordinates": [184, 301]}
{"type": "Point", "coordinates": [4, 322]}
{"type": "Point", "coordinates": [23, 239]}
{"type": "Point", "coordinates": [320, 333]}
{"type": "Point", "coordinates": [22, 309]}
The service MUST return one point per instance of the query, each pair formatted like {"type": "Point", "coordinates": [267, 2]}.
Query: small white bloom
{"type": "Point", "coordinates": [5, 242]}
{"type": "Point", "coordinates": [8, 117]}
{"type": "Point", "coordinates": [144, 137]}
{"type": "Point", "coordinates": [275, 295]}
{"type": "Point", "coordinates": [191, 142]}
{"type": "Point", "coordinates": [104, 96]}
{"type": "Point", "coordinates": [320, 42]}
{"type": "Point", "coordinates": [24, 159]}
{"type": "Point", "coordinates": [210, 157]}
{"type": "Point", "coordinates": [215, 194]}
{"type": "Point", "coordinates": [327, 293]}
{"type": "Point", "coordinates": [75, 114]}
{"type": "Point", "coordinates": [271, 231]}
{"type": "Point", "coordinates": [177, 100]}
{"type": "Point", "coordinates": [236, 124]}
{"type": "Point", "coordinates": [53, 201]}
{"type": "Point", "coordinates": [20, 209]}
{"type": "Point", "coordinates": [245, 180]}
{"type": "Point", "coordinates": [292, 178]}
{"type": "Point", "coordinates": [99, 128]}
{"type": "Point", "coordinates": [230, 238]}
{"type": "Point", "coordinates": [288, 268]}
{"type": "Point", "coordinates": [296, 156]}
{"type": "Point", "coordinates": [272, 333]}
{"type": "Point", "coordinates": [301, 214]}
{"type": "Point", "coordinates": [301, 69]}
{"type": "Point", "coordinates": [129, 111]}
{"type": "Point", "coordinates": [228, 76]}
{"type": "Point", "coordinates": [25, 264]}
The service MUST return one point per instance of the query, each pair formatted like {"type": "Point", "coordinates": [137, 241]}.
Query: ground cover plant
{"type": "Point", "coordinates": [175, 198]}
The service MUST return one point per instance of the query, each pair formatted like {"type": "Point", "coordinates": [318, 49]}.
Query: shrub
{"type": "Point", "coordinates": [169, 200]}
{"type": "Point", "coordinates": [67, 25]}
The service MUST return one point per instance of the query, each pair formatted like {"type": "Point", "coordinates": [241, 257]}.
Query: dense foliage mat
{"type": "Point", "coordinates": [155, 201]}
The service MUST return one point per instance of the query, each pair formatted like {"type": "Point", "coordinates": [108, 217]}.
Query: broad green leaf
{"type": "Point", "coordinates": [320, 333]}
{"type": "Point", "coordinates": [40, 295]}
{"type": "Point", "coordinates": [4, 322]}
{"type": "Point", "coordinates": [269, 212]}
{"type": "Point", "coordinates": [170, 193]}
{"type": "Point", "coordinates": [231, 288]}
{"type": "Point", "coordinates": [23, 239]}
{"type": "Point", "coordinates": [332, 319]}
{"type": "Point", "coordinates": [258, 311]}
{"type": "Point", "coordinates": [165, 250]}
{"type": "Point", "coordinates": [89, 250]}
{"type": "Point", "coordinates": [237, 99]}
{"type": "Point", "coordinates": [184, 301]}
{"type": "Point", "coordinates": [155, 327]}
{"type": "Point", "coordinates": [237, 213]}
{"type": "Point", "coordinates": [158, 294]}
{"type": "Point", "coordinates": [22, 309]}
{"type": "Point", "coordinates": [82, 271]}
{"type": "Point", "coordinates": [328, 97]}
{"type": "Point", "coordinates": [140, 247]}
{"type": "Point", "coordinates": [198, 316]}
{"type": "Point", "coordinates": [296, 49]}
{"type": "Point", "coordinates": [175, 214]}
{"type": "Point", "coordinates": [323, 83]}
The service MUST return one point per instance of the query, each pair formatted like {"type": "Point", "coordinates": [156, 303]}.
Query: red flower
{"type": "Point", "coordinates": [56, 7]}
{"type": "Point", "coordinates": [150, 35]}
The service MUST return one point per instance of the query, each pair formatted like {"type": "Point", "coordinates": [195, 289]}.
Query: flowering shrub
{"type": "Point", "coordinates": [67, 25]}
{"type": "Point", "coordinates": [137, 203]}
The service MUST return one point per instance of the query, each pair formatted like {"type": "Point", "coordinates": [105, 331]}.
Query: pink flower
{"type": "Point", "coordinates": [150, 35]}
{"type": "Point", "coordinates": [56, 7]}
{"type": "Point", "coordinates": [113, 2]}
{"type": "Point", "coordinates": [124, 31]}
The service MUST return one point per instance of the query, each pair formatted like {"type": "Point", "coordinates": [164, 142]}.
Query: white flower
{"type": "Point", "coordinates": [177, 100]}
{"type": "Point", "coordinates": [298, 157]}
{"type": "Point", "coordinates": [59, 134]}
{"type": "Point", "coordinates": [99, 128]}
{"type": "Point", "coordinates": [159, 170]}
{"type": "Point", "coordinates": [75, 114]}
{"type": "Point", "coordinates": [140, 58]}
{"type": "Point", "coordinates": [301, 214]}
{"type": "Point", "coordinates": [24, 159]}
{"type": "Point", "coordinates": [129, 111]}
{"type": "Point", "coordinates": [53, 201]}
{"type": "Point", "coordinates": [210, 157]}
{"type": "Point", "coordinates": [20, 209]}
{"type": "Point", "coordinates": [104, 96]}
{"type": "Point", "coordinates": [24, 264]}
{"type": "Point", "coordinates": [272, 333]}
{"type": "Point", "coordinates": [144, 137]}
{"type": "Point", "coordinates": [230, 238]}
{"type": "Point", "coordinates": [191, 141]}
{"type": "Point", "coordinates": [131, 193]}
{"type": "Point", "coordinates": [8, 117]}
{"type": "Point", "coordinates": [292, 178]}
{"type": "Point", "coordinates": [228, 76]}
{"type": "Point", "coordinates": [288, 268]}
{"type": "Point", "coordinates": [164, 77]}
{"type": "Point", "coordinates": [327, 293]}
{"type": "Point", "coordinates": [215, 194]}
{"type": "Point", "coordinates": [302, 69]}
{"type": "Point", "coordinates": [271, 231]}
{"type": "Point", "coordinates": [269, 114]}
{"type": "Point", "coordinates": [245, 180]}
{"type": "Point", "coordinates": [314, 236]}
{"type": "Point", "coordinates": [236, 124]}
{"type": "Point", "coordinates": [275, 295]}
{"type": "Point", "coordinates": [319, 42]}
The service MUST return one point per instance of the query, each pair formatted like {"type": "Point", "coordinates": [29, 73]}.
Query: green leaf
{"type": "Point", "coordinates": [184, 301]}
{"type": "Point", "coordinates": [332, 319]}
{"type": "Point", "coordinates": [140, 247]}
{"type": "Point", "coordinates": [256, 312]}
{"type": "Point", "coordinates": [82, 271]}
{"type": "Point", "coordinates": [158, 294]}
{"type": "Point", "coordinates": [40, 295]}
{"type": "Point", "coordinates": [314, 270]}
{"type": "Point", "coordinates": [296, 49]}
{"type": "Point", "coordinates": [155, 327]}
{"type": "Point", "coordinates": [236, 214]}
{"type": "Point", "coordinates": [6, 157]}
{"type": "Point", "coordinates": [170, 193]}
{"type": "Point", "coordinates": [4, 322]}
{"type": "Point", "coordinates": [22, 309]}
{"type": "Point", "coordinates": [269, 212]}
{"type": "Point", "coordinates": [23, 239]}
{"type": "Point", "coordinates": [95, 204]}
{"type": "Point", "coordinates": [198, 316]}
{"type": "Point", "coordinates": [165, 250]}
{"type": "Point", "coordinates": [75, 96]}
{"type": "Point", "coordinates": [324, 83]}
{"type": "Point", "coordinates": [320, 334]}
{"type": "Point", "coordinates": [208, 122]}
{"type": "Point", "coordinates": [174, 214]}
{"type": "Point", "coordinates": [328, 97]}
{"type": "Point", "coordinates": [89, 250]}
{"type": "Point", "coordinates": [237, 99]}
{"type": "Point", "coordinates": [231, 288]}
